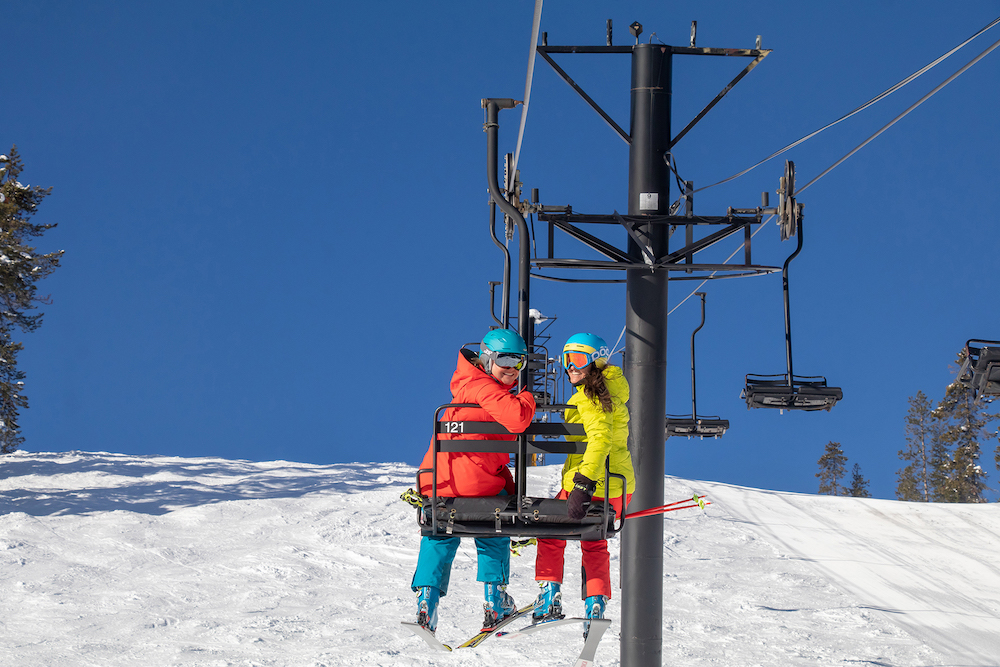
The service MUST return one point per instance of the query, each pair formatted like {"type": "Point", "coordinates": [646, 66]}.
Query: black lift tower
{"type": "Point", "coordinates": [646, 355]}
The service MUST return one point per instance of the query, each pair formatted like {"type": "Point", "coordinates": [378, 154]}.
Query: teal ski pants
{"type": "Point", "coordinates": [437, 554]}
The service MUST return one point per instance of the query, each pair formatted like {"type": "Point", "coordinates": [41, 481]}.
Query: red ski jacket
{"type": "Point", "coordinates": [475, 474]}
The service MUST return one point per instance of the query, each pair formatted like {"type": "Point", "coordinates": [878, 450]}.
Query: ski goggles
{"type": "Point", "coordinates": [509, 360]}
{"type": "Point", "coordinates": [578, 360]}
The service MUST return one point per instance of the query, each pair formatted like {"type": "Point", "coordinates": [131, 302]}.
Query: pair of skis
{"type": "Point", "coordinates": [473, 641]}
{"type": "Point", "coordinates": [585, 659]}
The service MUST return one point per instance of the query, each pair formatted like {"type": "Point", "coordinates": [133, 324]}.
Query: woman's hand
{"type": "Point", "coordinates": [579, 497]}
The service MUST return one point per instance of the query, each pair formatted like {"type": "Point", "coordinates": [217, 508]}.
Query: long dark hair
{"type": "Point", "coordinates": [596, 389]}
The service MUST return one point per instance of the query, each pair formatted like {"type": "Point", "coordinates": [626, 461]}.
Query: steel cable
{"type": "Point", "coordinates": [864, 106]}
{"type": "Point", "coordinates": [527, 91]}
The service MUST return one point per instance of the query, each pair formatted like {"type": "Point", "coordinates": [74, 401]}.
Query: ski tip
{"type": "Point", "coordinates": [426, 635]}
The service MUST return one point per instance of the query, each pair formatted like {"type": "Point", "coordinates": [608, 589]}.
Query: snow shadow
{"type": "Point", "coordinates": [43, 484]}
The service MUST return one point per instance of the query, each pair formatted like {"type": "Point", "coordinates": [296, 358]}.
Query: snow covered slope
{"type": "Point", "coordinates": [109, 559]}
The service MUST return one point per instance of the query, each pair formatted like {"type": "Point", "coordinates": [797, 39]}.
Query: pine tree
{"type": "Point", "coordinates": [859, 485]}
{"type": "Point", "coordinates": [966, 421]}
{"type": "Point", "coordinates": [20, 269]}
{"type": "Point", "coordinates": [923, 430]}
{"type": "Point", "coordinates": [831, 470]}
{"type": "Point", "coordinates": [906, 485]}
{"type": "Point", "coordinates": [940, 465]}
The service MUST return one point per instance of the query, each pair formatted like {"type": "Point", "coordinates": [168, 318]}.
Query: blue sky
{"type": "Point", "coordinates": [276, 236]}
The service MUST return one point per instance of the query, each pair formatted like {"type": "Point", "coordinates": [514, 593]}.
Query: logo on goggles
{"type": "Point", "coordinates": [580, 359]}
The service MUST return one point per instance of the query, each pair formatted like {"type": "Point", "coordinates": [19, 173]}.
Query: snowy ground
{"type": "Point", "coordinates": [109, 559]}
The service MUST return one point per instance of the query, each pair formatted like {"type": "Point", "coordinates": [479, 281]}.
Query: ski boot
{"type": "Point", "coordinates": [548, 606]}
{"type": "Point", "coordinates": [498, 606]}
{"type": "Point", "coordinates": [427, 607]}
{"type": "Point", "coordinates": [595, 605]}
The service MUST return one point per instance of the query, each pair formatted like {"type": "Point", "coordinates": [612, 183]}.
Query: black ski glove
{"type": "Point", "coordinates": [579, 497]}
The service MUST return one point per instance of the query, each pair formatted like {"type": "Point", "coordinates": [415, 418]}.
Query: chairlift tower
{"type": "Point", "coordinates": [649, 264]}
{"type": "Point", "coordinates": [645, 364]}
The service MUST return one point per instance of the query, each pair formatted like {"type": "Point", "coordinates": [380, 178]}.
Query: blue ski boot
{"type": "Point", "coordinates": [427, 607]}
{"type": "Point", "coordinates": [498, 606]}
{"type": "Point", "coordinates": [548, 606]}
{"type": "Point", "coordinates": [595, 609]}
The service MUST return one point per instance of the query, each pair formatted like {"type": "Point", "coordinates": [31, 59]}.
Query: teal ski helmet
{"type": "Point", "coordinates": [582, 349]}
{"type": "Point", "coordinates": [505, 347]}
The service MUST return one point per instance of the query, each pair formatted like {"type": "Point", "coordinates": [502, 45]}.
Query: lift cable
{"type": "Point", "coordinates": [867, 104]}
{"type": "Point", "coordinates": [527, 91]}
{"type": "Point", "coordinates": [902, 115]}
{"type": "Point", "coordinates": [866, 141]}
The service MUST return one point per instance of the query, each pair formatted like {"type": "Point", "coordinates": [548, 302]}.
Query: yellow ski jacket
{"type": "Point", "coordinates": [607, 435]}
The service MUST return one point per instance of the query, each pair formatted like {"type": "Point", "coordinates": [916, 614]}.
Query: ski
{"type": "Point", "coordinates": [486, 634]}
{"type": "Point", "coordinates": [597, 628]}
{"type": "Point", "coordinates": [586, 658]}
{"type": "Point", "coordinates": [426, 635]}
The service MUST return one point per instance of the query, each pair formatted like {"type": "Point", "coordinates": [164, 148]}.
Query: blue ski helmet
{"type": "Point", "coordinates": [502, 342]}
{"type": "Point", "coordinates": [582, 349]}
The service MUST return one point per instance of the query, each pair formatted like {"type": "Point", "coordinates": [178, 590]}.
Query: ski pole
{"type": "Point", "coordinates": [696, 501]}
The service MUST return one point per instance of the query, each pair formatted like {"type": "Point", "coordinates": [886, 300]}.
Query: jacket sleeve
{"type": "Point", "coordinates": [513, 412]}
{"type": "Point", "coordinates": [598, 425]}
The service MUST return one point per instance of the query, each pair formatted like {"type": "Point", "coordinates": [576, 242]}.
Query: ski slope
{"type": "Point", "coordinates": [110, 559]}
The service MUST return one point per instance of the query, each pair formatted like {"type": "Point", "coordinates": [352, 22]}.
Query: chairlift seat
{"type": "Point", "coordinates": [804, 392]}
{"type": "Point", "coordinates": [498, 515]}
{"type": "Point", "coordinates": [702, 427]}
{"type": "Point", "coordinates": [981, 368]}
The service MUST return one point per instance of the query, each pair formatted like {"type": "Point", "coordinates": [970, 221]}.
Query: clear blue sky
{"type": "Point", "coordinates": [275, 220]}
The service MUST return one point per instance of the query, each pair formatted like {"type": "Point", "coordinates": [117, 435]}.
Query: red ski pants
{"type": "Point", "coordinates": [596, 559]}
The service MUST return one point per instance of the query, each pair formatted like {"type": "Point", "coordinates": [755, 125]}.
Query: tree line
{"type": "Point", "coordinates": [944, 444]}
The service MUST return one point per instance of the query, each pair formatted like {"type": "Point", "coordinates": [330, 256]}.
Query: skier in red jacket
{"type": "Point", "coordinates": [487, 380]}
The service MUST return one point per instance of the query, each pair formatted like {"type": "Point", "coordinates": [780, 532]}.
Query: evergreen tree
{"type": "Point", "coordinates": [831, 470]}
{"type": "Point", "coordinates": [906, 485]}
{"type": "Point", "coordinates": [20, 269]}
{"type": "Point", "coordinates": [923, 431]}
{"type": "Point", "coordinates": [859, 485]}
{"type": "Point", "coordinates": [966, 421]}
{"type": "Point", "coordinates": [940, 466]}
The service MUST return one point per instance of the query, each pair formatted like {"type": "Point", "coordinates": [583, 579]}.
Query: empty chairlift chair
{"type": "Point", "coordinates": [702, 427]}
{"type": "Point", "coordinates": [789, 391]}
{"type": "Point", "coordinates": [980, 370]}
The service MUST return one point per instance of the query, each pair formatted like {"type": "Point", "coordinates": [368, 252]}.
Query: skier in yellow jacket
{"type": "Point", "coordinates": [598, 404]}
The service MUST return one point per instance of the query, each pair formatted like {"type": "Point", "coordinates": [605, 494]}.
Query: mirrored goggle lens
{"type": "Point", "coordinates": [510, 361]}
{"type": "Point", "coordinates": [575, 360]}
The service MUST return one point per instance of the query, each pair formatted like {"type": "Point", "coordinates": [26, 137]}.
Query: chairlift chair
{"type": "Point", "coordinates": [981, 368]}
{"type": "Point", "coordinates": [517, 515]}
{"type": "Point", "coordinates": [802, 393]}
{"type": "Point", "coordinates": [789, 391]}
{"type": "Point", "coordinates": [702, 427]}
